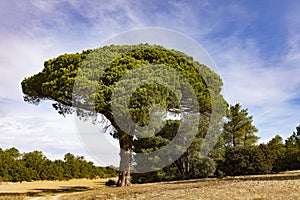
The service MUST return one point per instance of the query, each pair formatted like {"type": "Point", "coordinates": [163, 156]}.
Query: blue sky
{"type": "Point", "coordinates": [254, 44]}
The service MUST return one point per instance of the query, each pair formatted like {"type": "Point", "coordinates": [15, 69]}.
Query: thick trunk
{"type": "Point", "coordinates": [126, 142]}
{"type": "Point", "coordinates": [125, 162]}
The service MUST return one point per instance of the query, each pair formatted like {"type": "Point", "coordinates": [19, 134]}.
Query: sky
{"type": "Point", "coordinates": [255, 46]}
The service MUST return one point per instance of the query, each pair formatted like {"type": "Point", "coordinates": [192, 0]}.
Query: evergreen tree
{"type": "Point", "coordinates": [35, 162]}
{"type": "Point", "coordinates": [291, 160]}
{"type": "Point", "coordinates": [277, 150]}
{"type": "Point", "coordinates": [296, 135]}
{"type": "Point", "coordinates": [56, 83]}
{"type": "Point", "coordinates": [238, 128]}
{"type": "Point", "coordinates": [246, 160]}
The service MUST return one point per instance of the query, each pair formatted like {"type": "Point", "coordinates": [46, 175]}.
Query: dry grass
{"type": "Point", "coordinates": [8, 187]}
{"type": "Point", "coordinates": [279, 186]}
{"type": "Point", "coordinates": [24, 190]}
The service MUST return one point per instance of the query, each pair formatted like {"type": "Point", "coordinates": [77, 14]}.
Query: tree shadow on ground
{"type": "Point", "coordinates": [44, 191]}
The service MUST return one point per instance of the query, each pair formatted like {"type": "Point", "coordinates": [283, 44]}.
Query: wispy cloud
{"type": "Point", "coordinates": [293, 26]}
{"type": "Point", "coordinates": [266, 89]}
{"type": "Point", "coordinates": [267, 85]}
{"type": "Point", "coordinates": [258, 58]}
{"type": "Point", "coordinates": [32, 128]}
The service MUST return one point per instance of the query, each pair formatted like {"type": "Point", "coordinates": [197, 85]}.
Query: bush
{"type": "Point", "coordinates": [246, 161]}
{"type": "Point", "coordinates": [110, 182]}
{"type": "Point", "coordinates": [205, 167]}
{"type": "Point", "coordinates": [149, 177]}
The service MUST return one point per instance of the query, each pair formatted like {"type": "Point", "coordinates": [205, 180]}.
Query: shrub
{"type": "Point", "coordinates": [110, 182]}
{"type": "Point", "coordinates": [205, 167]}
{"type": "Point", "coordinates": [246, 161]}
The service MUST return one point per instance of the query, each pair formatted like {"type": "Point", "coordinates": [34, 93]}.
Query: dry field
{"type": "Point", "coordinates": [43, 189]}
{"type": "Point", "coordinates": [279, 186]}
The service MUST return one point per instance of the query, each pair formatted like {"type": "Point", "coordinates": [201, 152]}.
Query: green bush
{"type": "Point", "coordinates": [149, 177]}
{"type": "Point", "coordinates": [246, 161]}
{"type": "Point", "coordinates": [205, 167]}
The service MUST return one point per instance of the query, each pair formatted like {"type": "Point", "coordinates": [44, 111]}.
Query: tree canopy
{"type": "Point", "coordinates": [57, 79]}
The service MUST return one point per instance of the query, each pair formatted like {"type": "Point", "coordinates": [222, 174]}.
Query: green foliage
{"type": "Point", "coordinates": [98, 72]}
{"type": "Point", "coordinates": [273, 157]}
{"type": "Point", "coordinates": [277, 151]}
{"type": "Point", "coordinates": [35, 162]}
{"type": "Point", "coordinates": [189, 165]}
{"type": "Point", "coordinates": [238, 129]}
{"type": "Point", "coordinates": [150, 177]}
{"type": "Point", "coordinates": [297, 133]}
{"type": "Point", "coordinates": [205, 167]}
{"type": "Point", "coordinates": [246, 160]}
{"type": "Point", "coordinates": [17, 167]}
{"type": "Point", "coordinates": [291, 159]}
{"type": "Point", "coordinates": [56, 81]}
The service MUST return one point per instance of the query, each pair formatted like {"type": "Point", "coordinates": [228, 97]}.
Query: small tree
{"type": "Point", "coordinates": [238, 129]}
{"type": "Point", "coordinates": [296, 135]}
{"type": "Point", "coordinates": [205, 167]}
{"type": "Point", "coordinates": [35, 162]}
{"type": "Point", "coordinates": [291, 160]}
{"type": "Point", "coordinates": [277, 151]}
{"type": "Point", "coordinates": [246, 160]}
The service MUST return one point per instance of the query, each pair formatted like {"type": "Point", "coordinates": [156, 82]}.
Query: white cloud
{"type": "Point", "coordinates": [30, 128]}
{"type": "Point", "coordinates": [293, 25]}
{"type": "Point", "coordinates": [22, 54]}
{"type": "Point", "coordinates": [33, 128]}
{"type": "Point", "coordinates": [34, 31]}
{"type": "Point", "coordinates": [265, 87]}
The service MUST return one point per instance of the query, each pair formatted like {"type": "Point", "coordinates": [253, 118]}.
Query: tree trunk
{"type": "Point", "coordinates": [125, 162]}
{"type": "Point", "coordinates": [233, 141]}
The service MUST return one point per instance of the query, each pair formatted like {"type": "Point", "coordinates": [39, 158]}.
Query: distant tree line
{"type": "Point", "coordinates": [17, 167]}
{"type": "Point", "coordinates": [236, 152]}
